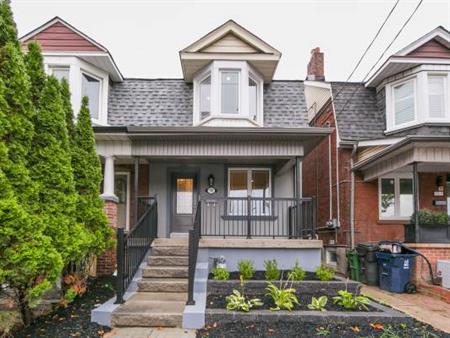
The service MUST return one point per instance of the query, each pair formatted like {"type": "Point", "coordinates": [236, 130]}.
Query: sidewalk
{"type": "Point", "coordinates": [142, 332]}
{"type": "Point", "coordinates": [424, 308]}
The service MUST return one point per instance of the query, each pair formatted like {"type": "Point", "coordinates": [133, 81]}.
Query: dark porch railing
{"type": "Point", "coordinates": [258, 217]}
{"type": "Point", "coordinates": [133, 245]}
{"type": "Point", "coordinates": [194, 239]}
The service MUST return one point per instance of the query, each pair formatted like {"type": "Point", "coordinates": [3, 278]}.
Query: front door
{"type": "Point", "coordinates": [183, 201]}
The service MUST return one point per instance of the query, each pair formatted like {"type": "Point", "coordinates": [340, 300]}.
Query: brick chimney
{"type": "Point", "coordinates": [316, 66]}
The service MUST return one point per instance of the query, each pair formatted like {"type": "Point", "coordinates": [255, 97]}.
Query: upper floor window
{"type": "Point", "coordinates": [60, 72]}
{"type": "Point", "coordinates": [436, 96]}
{"type": "Point", "coordinates": [404, 102]}
{"type": "Point", "coordinates": [90, 87]}
{"type": "Point", "coordinates": [228, 93]}
{"type": "Point", "coordinates": [421, 98]}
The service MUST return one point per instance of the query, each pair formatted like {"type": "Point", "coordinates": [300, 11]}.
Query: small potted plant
{"type": "Point", "coordinates": [433, 227]}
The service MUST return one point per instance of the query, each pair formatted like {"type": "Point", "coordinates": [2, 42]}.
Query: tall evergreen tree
{"type": "Point", "coordinates": [29, 264]}
{"type": "Point", "coordinates": [35, 67]}
{"type": "Point", "coordinates": [8, 29]}
{"type": "Point", "coordinates": [52, 170]}
{"type": "Point", "coordinates": [88, 177]}
{"type": "Point", "coordinates": [68, 111]}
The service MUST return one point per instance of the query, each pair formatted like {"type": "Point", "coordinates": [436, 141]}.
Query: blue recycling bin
{"type": "Point", "coordinates": [395, 271]}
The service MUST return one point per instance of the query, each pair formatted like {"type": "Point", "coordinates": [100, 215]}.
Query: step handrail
{"type": "Point", "coordinates": [194, 239]}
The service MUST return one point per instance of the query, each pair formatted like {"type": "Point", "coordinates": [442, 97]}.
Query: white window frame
{"type": "Point", "coordinates": [398, 84]}
{"type": "Point", "coordinates": [446, 117]}
{"type": "Point", "coordinates": [246, 71]}
{"type": "Point", "coordinates": [128, 206]}
{"type": "Point", "coordinates": [396, 177]}
{"type": "Point", "coordinates": [52, 68]}
{"type": "Point", "coordinates": [100, 94]}
{"type": "Point", "coordinates": [221, 72]}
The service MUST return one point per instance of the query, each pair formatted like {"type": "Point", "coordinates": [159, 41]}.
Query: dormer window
{"type": "Point", "coordinates": [228, 93]}
{"type": "Point", "coordinates": [90, 87]}
{"type": "Point", "coordinates": [60, 72]}
{"type": "Point", "coordinates": [422, 98]}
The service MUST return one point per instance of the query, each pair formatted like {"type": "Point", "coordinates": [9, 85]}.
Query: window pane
{"type": "Point", "coordinates": [60, 73]}
{"type": "Point", "coordinates": [261, 189]}
{"type": "Point", "coordinates": [230, 92]}
{"type": "Point", "coordinates": [406, 197]}
{"type": "Point", "coordinates": [91, 89]}
{"type": "Point", "coordinates": [404, 103]}
{"type": "Point", "coordinates": [436, 96]}
{"type": "Point", "coordinates": [185, 195]}
{"type": "Point", "coordinates": [252, 97]}
{"type": "Point", "coordinates": [205, 98]}
{"type": "Point", "coordinates": [387, 202]}
{"type": "Point", "coordinates": [238, 188]}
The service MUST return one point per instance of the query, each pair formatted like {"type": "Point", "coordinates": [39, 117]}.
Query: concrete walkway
{"type": "Point", "coordinates": [145, 332]}
{"type": "Point", "coordinates": [424, 308]}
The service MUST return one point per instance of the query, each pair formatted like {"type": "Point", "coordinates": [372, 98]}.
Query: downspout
{"type": "Point", "coordinates": [352, 199]}
{"type": "Point", "coordinates": [330, 178]}
{"type": "Point", "coordinates": [338, 188]}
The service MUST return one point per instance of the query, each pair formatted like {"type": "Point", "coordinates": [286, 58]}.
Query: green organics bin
{"type": "Point", "coordinates": [354, 265]}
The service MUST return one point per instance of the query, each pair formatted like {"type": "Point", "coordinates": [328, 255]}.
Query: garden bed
{"type": "Point", "coordinates": [260, 275]}
{"type": "Point", "coordinates": [300, 329]}
{"type": "Point", "coordinates": [75, 320]}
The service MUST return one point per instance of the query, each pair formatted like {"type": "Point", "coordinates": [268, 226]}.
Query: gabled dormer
{"type": "Point", "coordinates": [416, 83]}
{"type": "Point", "coordinates": [228, 68]}
{"type": "Point", "coordinates": [86, 64]}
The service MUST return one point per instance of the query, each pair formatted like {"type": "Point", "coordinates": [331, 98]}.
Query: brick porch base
{"type": "Point", "coordinates": [106, 263]}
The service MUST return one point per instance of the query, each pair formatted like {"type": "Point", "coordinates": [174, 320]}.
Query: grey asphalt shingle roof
{"type": "Point", "coordinates": [168, 102]}
{"type": "Point", "coordinates": [357, 113]}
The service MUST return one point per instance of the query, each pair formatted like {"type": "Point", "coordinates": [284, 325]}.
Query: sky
{"type": "Point", "coordinates": [145, 36]}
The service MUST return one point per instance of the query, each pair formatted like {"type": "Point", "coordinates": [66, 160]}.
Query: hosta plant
{"type": "Point", "coordinates": [237, 301]}
{"type": "Point", "coordinates": [349, 301]}
{"type": "Point", "coordinates": [284, 297]}
{"type": "Point", "coordinates": [318, 304]}
{"type": "Point", "coordinates": [324, 273]}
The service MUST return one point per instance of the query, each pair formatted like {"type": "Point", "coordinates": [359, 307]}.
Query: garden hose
{"type": "Point", "coordinates": [434, 280]}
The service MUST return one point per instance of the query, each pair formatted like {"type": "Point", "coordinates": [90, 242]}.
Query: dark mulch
{"type": "Point", "coordinates": [75, 320]}
{"type": "Point", "coordinates": [215, 301]}
{"type": "Point", "coordinates": [296, 330]}
{"type": "Point", "coordinates": [260, 275]}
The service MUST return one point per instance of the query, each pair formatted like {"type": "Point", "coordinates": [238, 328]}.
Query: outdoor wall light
{"type": "Point", "coordinates": [211, 189]}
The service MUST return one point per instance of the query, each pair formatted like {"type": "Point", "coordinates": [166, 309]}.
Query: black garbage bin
{"type": "Point", "coordinates": [369, 263]}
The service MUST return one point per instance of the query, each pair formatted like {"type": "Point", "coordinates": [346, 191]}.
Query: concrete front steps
{"type": "Point", "coordinates": [162, 291]}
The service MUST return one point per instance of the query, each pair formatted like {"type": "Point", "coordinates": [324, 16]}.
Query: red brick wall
{"type": "Point", "coordinates": [106, 263]}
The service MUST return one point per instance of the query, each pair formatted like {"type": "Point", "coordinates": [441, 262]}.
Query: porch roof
{"type": "Point", "coordinates": [411, 149]}
{"type": "Point", "coordinates": [207, 141]}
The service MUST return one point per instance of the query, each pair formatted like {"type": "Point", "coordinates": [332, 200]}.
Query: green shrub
{"type": "Point", "coordinates": [297, 273]}
{"type": "Point", "coordinates": [246, 269]}
{"type": "Point", "coordinates": [430, 217]}
{"type": "Point", "coordinates": [272, 272]}
{"type": "Point", "coordinates": [220, 274]}
{"type": "Point", "coordinates": [239, 302]}
{"type": "Point", "coordinates": [324, 273]}
{"type": "Point", "coordinates": [283, 297]}
{"type": "Point", "coordinates": [318, 303]}
{"type": "Point", "coordinates": [348, 301]}
{"type": "Point", "coordinates": [70, 295]}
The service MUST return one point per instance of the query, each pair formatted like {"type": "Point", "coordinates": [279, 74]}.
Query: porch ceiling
{"type": "Point", "coordinates": [429, 152]}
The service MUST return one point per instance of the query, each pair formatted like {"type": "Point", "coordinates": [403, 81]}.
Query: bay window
{"type": "Point", "coordinates": [228, 93]}
{"type": "Point", "coordinates": [396, 196]}
{"type": "Point", "coordinates": [60, 72]}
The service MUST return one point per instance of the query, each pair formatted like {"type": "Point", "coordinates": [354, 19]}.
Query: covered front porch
{"type": "Point", "coordinates": [244, 182]}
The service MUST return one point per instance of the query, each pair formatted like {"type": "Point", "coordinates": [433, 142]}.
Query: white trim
{"type": "Point", "coordinates": [380, 142]}
{"type": "Point", "coordinates": [396, 176]}
{"type": "Point", "coordinates": [128, 206]}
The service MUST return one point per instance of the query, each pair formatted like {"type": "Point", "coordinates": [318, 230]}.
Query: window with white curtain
{"type": "Point", "coordinates": [60, 72]}
{"type": "Point", "coordinates": [229, 91]}
{"type": "Point", "coordinates": [90, 87]}
{"type": "Point", "coordinates": [404, 102]}
{"type": "Point", "coordinates": [436, 96]}
{"type": "Point", "coordinates": [396, 196]}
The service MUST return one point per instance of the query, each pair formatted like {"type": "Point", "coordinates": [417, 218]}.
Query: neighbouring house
{"type": "Point", "coordinates": [221, 148]}
{"type": "Point", "coordinates": [389, 153]}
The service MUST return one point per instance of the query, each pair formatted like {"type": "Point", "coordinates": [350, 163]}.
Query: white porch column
{"type": "Point", "coordinates": [108, 180]}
